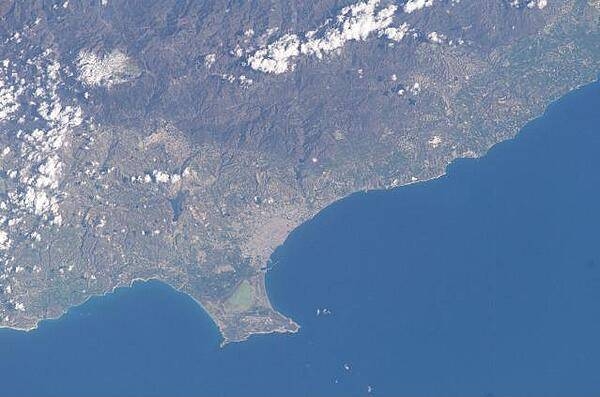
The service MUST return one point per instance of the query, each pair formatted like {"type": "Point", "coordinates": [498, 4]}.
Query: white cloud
{"type": "Point", "coordinates": [354, 23]}
{"type": "Point", "coordinates": [50, 171]}
{"type": "Point", "coordinates": [8, 102]}
{"type": "Point", "coordinates": [278, 56]}
{"type": "Point", "coordinates": [415, 5]}
{"type": "Point", "coordinates": [539, 4]}
{"type": "Point", "coordinates": [108, 70]}
{"type": "Point", "coordinates": [35, 166]}
{"type": "Point", "coordinates": [163, 177]}
{"type": "Point", "coordinates": [396, 34]}
{"type": "Point", "coordinates": [9, 93]}
{"type": "Point", "coordinates": [4, 240]}
{"type": "Point", "coordinates": [160, 176]}
{"type": "Point", "coordinates": [436, 37]}
{"type": "Point", "coordinates": [209, 60]}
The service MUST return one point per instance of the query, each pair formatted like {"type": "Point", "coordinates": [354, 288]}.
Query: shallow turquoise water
{"type": "Point", "coordinates": [483, 282]}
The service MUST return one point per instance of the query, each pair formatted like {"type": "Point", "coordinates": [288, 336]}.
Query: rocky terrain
{"type": "Point", "coordinates": [184, 140]}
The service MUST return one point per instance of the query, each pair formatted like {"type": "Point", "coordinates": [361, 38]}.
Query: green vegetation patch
{"type": "Point", "coordinates": [242, 299]}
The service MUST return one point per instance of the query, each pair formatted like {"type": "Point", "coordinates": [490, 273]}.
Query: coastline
{"type": "Point", "coordinates": [222, 326]}
{"type": "Point", "coordinates": [489, 270]}
{"type": "Point", "coordinates": [89, 297]}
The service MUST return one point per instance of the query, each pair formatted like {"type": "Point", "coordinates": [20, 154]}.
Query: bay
{"type": "Point", "coordinates": [484, 282]}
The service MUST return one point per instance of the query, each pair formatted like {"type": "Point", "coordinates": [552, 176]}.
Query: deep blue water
{"type": "Point", "coordinates": [485, 282]}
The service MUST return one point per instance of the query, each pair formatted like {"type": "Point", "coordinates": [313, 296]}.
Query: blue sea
{"type": "Point", "coordinates": [485, 282]}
